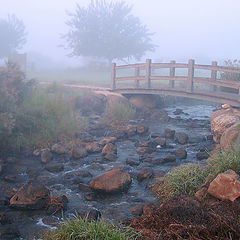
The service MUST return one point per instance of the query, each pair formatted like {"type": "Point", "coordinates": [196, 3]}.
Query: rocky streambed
{"type": "Point", "coordinates": [132, 158]}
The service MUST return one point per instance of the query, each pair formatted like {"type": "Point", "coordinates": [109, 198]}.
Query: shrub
{"type": "Point", "coordinates": [81, 229]}
{"type": "Point", "coordinates": [118, 113]}
{"type": "Point", "coordinates": [231, 76]}
{"type": "Point", "coordinates": [222, 161]}
{"type": "Point", "coordinates": [42, 118]}
{"type": "Point", "coordinates": [185, 179]}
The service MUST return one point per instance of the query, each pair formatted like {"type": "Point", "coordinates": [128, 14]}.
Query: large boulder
{"type": "Point", "coordinates": [112, 181]}
{"type": "Point", "coordinates": [181, 138]}
{"type": "Point", "coordinates": [109, 148]}
{"type": "Point", "coordinates": [91, 103]}
{"type": "Point", "coordinates": [226, 186]}
{"type": "Point", "coordinates": [143, 101]}
{"type": "Point", "coordinates": [222, 120]}
{"type": "Point", "coordinates": [79, 152]}
{"type": "Point", "coordinates": [31, 196]}
{"type": "Point", "coordinates": [231, 138]}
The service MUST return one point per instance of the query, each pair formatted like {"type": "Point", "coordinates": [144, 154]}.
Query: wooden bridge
{"type": "Point", "coordinates": [205, 82]}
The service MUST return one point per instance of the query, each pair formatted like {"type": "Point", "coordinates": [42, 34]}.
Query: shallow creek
{"type": "Point", "coordinates": [194, 121]}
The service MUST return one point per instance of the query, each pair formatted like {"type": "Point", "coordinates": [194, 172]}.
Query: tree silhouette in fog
{"type": "Point", "coordinates": [108, 30]}
{"type": "Point", "coordinates": [13, 35]}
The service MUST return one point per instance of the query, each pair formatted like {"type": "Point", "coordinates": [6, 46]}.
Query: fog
{"type": "Point", "coordinates": [200, 29]}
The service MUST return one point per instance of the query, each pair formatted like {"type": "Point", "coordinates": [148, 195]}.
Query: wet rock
{"type": "Point", "coordinates": [112, 181]}
{"type": "Point", "coordinates": [83, 187]}
{"type": "Point", "coordinates": [93, 215]}
{"type": "Point", "coordinates": [181, 138]}
{"type": "Point", "coordinates": [52, 221]}
{"type": "Point", "coordinates": [10, 192]}
{"type": "Point", "coordinates": [89, 196]}
{"type": "Point", "coordinates": [169, 159]}
{"type": "Point", "coordinates": [130, 131]}
{"type": "Point", "coordinates": [79, 152]}
{"type": "Point", "coordinates": [30, 196]}
{"type": "Point", "coordinates": [1, 166]}
{"type": "Point", "coordinates": [59, 148]}
{"type": "Point", "coordinates": [107, 140]}
{"type": "Point", "coordinates": [96, 167]}
{"type": "Point", "coordinates": [137, 210]}
{"type": "Point", "coordinates": [109, 148]}
{"type": "Point", "coordinates": [54, 167]}
{"type": "Point", "coordinates": [231, 138]}
{"type": "Point", "coordinates": [83, 174]}
{"type": "Point", "coordinates": [110, 156]}
{"type": "Point", "coordinates": [169, 133]}
{"type": "Point", "coordinates": [9, 232]}
{"type": "Point", "coordinates": [56, 204]}
{"type": "Point", "coordinates": [10, 178]}
{"type": "Point", "coordinates": [141, 129]}
{"type": "Point", "coordinates": [178, 111]}
{"type": "Point", "coordinates": [180, 153]}
{"type": "Point", "coordinates": [202, 155]}
{"type": "Point", "coordinates": [5, 219]}
{"type": "Point", "coordinates": [143, 101]}
{"type": "Point", "coordinates": [133, 161]}
{"type": "Point", "coordinates": [226, 186]}
{"type": "Point", "coordinates": [46, 156]}
{"type": "Point", "coordinates": [160, 141]}
{"type": "Point", "coordinates": [93, 147]}
{"type": "Point", "coordinates": [144, 150]}
{"type": "Point", "coordinates": [145, 173]}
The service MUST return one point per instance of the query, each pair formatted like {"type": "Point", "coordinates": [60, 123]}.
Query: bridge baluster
{"type": "Point", "coordinates": [113, 76]}
{"type": "Point", "coordinates": [148, 73]}
{"type": "Point", "coordinates": [214, 76]}
{"type": "Point", "coordinates": [137, 74]}
{"type": "Point", "coordinates": [172, 74]}
{"type": "Point", "coordinates": [190, 75]}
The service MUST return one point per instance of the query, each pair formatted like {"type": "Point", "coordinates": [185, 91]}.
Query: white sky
{"type": "Point", "coordinates": [201, 29]}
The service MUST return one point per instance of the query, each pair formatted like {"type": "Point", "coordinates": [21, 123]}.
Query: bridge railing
{"type": "Point", "coordinates": [190, 80]}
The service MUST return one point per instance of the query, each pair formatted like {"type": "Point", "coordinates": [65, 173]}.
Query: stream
{"type": "Point", "coordinates": [72, 180]}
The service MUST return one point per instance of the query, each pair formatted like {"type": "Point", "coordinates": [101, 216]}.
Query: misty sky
{"type": "Point", "coordinates": [202, 29]}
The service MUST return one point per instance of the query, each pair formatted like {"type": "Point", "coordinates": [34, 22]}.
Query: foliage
{"type": "Point", "coordinates": [231, 76]}
{"type": "Point", "coordinates": [81, 229]}
{"type": "Point", "coordinates": [30, 116]}
{"type": "Point", "coordinates": [222, 161]}
{"type": "Point", "coordinates": [42, 118]}
{"type": "Point", "coordinates": [106, 29]}
{"type": "Point", "coordinates": [118, 113]}
{"type": "Point", "coordinates": [185, 179]}
{"type": "Point", "coordinates": [13, 35]}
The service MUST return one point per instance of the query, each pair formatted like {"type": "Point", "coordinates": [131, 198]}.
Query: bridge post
{"type": "Point", "coordinates": [113, 76]}
{"type": "Point", "coordinates": [172, 74]}
{"type": "Point", "coordinates": [137, 73]}
{"type": "Point", "coordinates": [190, 75]}
{"type": "Point", "coordinates": [148, 73]}
{"type": "Point", "coordinates": [214, 76]}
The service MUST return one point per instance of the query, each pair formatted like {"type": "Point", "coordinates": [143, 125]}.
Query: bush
{"type": "Point", "coordinates": [222, 161]}
{"type": "Point", "coordinates": [118, 113]}
{"type": "Point", "coordinates": [231, 76]}
{"type": "Point", "coordinates": [185, 179]}
{"type": "Point", "coordinates": [42, 118]}
{"type": "Point", "coordinates": [81, 229]}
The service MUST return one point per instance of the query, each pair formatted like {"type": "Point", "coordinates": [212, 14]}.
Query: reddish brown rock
{"type": "Point", "coordinates": [231, 137]}
{"type": "Point", "coordinates": [112, 181]}
{"type": "Point", "coordinates": [59, 148]}
{"type": "Point", "coordinates": [142, 129]}
{"type": "Point", "coordinates": [226, 186]}
{"type": "Point", "coordinates": [46, 156]}
{"type": "Point", "coordinates": [143, 101]}
{"type": "Point", "coordinates": [31, 196]}
{"type": "Point", "coordinates": [222, 120]}
{"type": "Point", "coordinates": [106, 140]}
{"type": "Point", "coordinates": [93, 147]}
{"type": "Point", "coordinates": [144, 173]}
{"type": "Point", "coordinates": [109, 148]}
{"type": "Point", "coordinates": [79, 152]}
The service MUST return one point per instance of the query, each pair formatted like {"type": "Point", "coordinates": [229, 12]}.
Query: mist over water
{"type": "Point", "coordinates": [203, 30]}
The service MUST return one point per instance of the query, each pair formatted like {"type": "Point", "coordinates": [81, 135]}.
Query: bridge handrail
{"type": "Point", "coordinates": [190, 79]}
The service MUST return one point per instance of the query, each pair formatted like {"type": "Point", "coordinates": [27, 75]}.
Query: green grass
{"type": "Point", "coordinates": [74, 76]}
{"type": "Point", "coordinates": [222, 161]}
{"type": "Point", "coordinates": [45, 115]}
{"type": "Point", "coordinates": [81, 229]}
{"type": "Point", "coordinates": [186, 179]}
{"type": "Point", "coordinates": [118, 113]}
